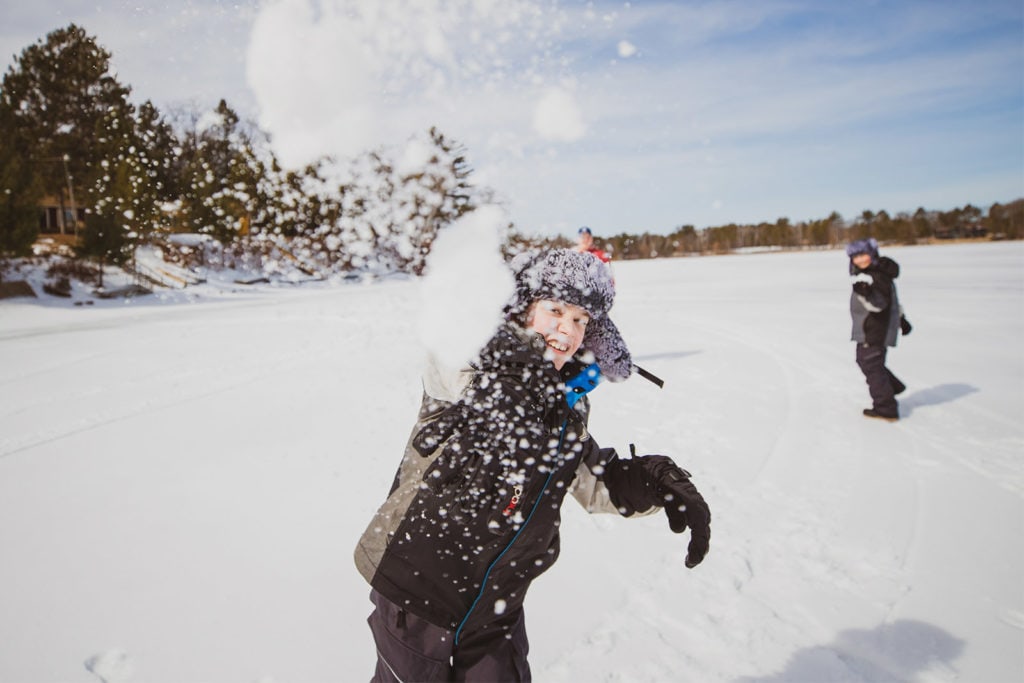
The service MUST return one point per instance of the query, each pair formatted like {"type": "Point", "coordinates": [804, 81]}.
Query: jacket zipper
{"type": "Point", "coordinates": [494, 563]}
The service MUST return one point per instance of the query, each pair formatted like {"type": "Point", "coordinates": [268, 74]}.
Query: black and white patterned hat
{"type": "Point", "coordinates": [582, 280]}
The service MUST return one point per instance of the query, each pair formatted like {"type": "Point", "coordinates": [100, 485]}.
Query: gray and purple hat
{"type": "Point", "coordinates": [582, 280]}
{"type": "Point", "coordinates": [865, 246]}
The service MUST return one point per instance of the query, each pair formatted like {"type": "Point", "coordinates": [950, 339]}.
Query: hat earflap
{"type": "Point", "coordinates": [606, 343]}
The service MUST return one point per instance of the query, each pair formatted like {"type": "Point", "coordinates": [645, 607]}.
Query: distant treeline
{"type": "Point", "coordinates": [1002, 221]}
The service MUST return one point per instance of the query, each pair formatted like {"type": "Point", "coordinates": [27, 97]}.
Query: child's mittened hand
{"type": "Point", "coordinates": [684, 506]}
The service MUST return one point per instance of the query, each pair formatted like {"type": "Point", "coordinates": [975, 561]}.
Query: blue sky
{"type": "Point", "coordinates": [622, 116]}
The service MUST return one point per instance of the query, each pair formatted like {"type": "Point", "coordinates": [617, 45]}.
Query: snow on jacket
{"type": "Point", "coordinates": [473, 513]}
{"type": "Point", "coordinates": [876, 315]}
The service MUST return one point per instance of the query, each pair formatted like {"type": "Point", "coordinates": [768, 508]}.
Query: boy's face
{"type": "Point", "coordinates": [862, 260]}
{"type": "Point", "coordinates": [562, 325]}
{"type": "Point", "coordinates": [585, 240]}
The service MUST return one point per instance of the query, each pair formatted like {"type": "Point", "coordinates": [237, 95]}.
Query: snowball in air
{"type": "Point", "coordinates": [466, 286]}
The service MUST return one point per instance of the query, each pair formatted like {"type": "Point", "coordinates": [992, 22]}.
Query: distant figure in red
{"type": "Point", "coordinates": [585, 244]}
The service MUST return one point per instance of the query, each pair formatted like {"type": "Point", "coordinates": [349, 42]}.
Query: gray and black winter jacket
{"type": "Point", "coordinates": [473, 513]}
{"type": "Point", "coordinates": [876, 315]}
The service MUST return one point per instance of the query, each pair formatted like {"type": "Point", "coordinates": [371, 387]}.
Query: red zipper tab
{"type": "Point", "coordinates": [517, 493]}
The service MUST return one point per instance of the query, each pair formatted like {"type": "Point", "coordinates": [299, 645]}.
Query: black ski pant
{"type": "Point", "coordinates": [882, 384]}
{"type": "Point", "coordinates": [410, 649]}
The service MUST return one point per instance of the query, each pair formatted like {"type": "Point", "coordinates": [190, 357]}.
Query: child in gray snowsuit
{"type": "Point", "coordinates": [877, 321]}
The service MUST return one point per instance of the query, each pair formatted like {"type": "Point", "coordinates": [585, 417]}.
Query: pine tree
{"type": "Point", "coordinates": [20, 191]}
{"type": "Point", "coordinates": [158, 145]}
{"type": "Point", "coordinates": [394, 208]}
{"type": "Point", "coordinates": [124, 195]}
{"type": "Point", "coordinates": [58, 91]}
{"type": "Point", "coordinates": [216, 180]}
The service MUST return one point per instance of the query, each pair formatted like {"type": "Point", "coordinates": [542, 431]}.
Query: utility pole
{"type": "Point", "coordinates": [71, 194]}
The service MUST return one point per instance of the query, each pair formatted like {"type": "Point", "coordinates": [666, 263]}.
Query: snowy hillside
{"type": "Point", "coordinates": [181, 486]}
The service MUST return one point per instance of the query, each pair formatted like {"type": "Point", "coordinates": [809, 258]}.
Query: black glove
{"type": "Point", "coordinates": [862, 288]}
{"type": "Point", "coordinates": [684, 506]}
{"type": "Point", "coordinates": [905, 327]}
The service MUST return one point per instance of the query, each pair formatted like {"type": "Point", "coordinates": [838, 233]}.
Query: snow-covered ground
{"type": "Point", "coordinates": [181, 485]}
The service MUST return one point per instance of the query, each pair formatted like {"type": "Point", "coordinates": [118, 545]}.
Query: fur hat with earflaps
{"type": "Point", "coordinates": [865, 246]}
{"type": "Point", "coordinates": [581, 280]}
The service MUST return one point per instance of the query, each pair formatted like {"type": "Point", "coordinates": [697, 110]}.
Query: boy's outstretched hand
{"type": "Point", "coordinates": [684, 506]}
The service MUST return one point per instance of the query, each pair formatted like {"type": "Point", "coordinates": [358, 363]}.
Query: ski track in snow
{"type": "Point", "coordinates": [213, 465]}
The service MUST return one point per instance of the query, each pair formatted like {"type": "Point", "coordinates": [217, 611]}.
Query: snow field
{"type": "Point", "coordinates": [181, 486]}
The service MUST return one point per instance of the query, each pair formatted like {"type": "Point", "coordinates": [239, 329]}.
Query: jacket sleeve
{"type": "Point", "coordinates": [607, 484]}
{"type": "Point", "coordinates": [878, 297]}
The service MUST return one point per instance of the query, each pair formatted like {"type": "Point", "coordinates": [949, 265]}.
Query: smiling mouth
{"type": "Point", "coordinates": [558, 346]}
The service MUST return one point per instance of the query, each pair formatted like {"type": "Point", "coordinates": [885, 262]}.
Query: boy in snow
{"type": "Point", "coordinates": [473, 513]}
{"type": "Point", "coordinates": [875, 310]}
{"type": "Point", "coordinates": [585, 245]}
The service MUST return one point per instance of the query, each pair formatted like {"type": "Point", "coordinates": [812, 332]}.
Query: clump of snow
{"type": "Point", "coordinates": [558, 118]}
{"type": "Point", "coordinates": [466, 285]}
{"type": "Point", "coordinates": [112, 666]}
{"type": "Point", "coordinates": [404, 64]}
{"type": "Point", "coordinates": [209, 119]}
{"type": "Point", "coordinates": [626, 49]}
{"type": "Point", "coordinates": [414, 156]}
{"type": "Point", "coordinates": [500, 606]}
{"type": "Point", "coordinates": [189, 239]}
